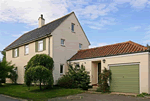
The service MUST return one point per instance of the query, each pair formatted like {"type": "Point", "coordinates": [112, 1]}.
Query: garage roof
{"type": "Point", "coordinates": [109, 50]}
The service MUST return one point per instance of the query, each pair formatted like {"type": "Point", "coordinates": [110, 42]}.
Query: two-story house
{"type": "Point", "coordinates": [60, 39]}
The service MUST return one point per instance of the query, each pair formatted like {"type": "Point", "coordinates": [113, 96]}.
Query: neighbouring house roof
{"type": "Point", "coordinates": [109, 50]}
{"type": "Point", "coordinates": [37, 33]}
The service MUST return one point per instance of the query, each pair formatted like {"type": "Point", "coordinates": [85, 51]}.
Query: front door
{"type": "Point", "coordinates": [99, 70]}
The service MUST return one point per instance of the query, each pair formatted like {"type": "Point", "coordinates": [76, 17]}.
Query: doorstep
{"type": "Point", "coordinates": [131, 94]}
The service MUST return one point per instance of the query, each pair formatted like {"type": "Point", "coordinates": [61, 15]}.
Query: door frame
{"type": "Point", "coordinates": [120, 64]}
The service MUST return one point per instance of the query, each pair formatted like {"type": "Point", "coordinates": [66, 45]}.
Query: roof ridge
{"type": "Point", "coordinates": [57, 19]}
{"type": "Point", "coordinates": [104, 46]}
{"type": "Point", "coordinates": [37, 28]}
{"type": "Point", "coordinates": [136, 44]}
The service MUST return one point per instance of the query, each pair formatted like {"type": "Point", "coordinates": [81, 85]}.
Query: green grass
{"type": "Point", "coordinates": [34, 93]}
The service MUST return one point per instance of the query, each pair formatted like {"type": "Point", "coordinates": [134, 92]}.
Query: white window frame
{"type": "Point", "coordinates": [15, 52]}
{"type": "Point", "coordinates": [62, 69]}
{"type": "Point", "coordinates": [72, 27]}
{"type": "Point", "coordinates": [26, 49]}
{"type": "Point", "coordinates": [63, 44]}
{"type": "Point", "coordinates": [40, 43]}
{"type": "Point", "coordinates": [80, 45]}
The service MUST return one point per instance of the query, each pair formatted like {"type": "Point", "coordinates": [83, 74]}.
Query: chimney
{"type": "Point", "coordinates": [41, 21]}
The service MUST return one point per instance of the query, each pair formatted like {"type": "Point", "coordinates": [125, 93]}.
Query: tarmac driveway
{"type": "Point", "coordinates": [99, 97]}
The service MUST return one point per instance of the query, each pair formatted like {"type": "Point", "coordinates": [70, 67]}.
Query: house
{"type": "Point", "coordinates": [65, 41]}
{"type": "Point", "coordinates": [60, 39]}
{"type": "Point", "coordinates": [129, 63]}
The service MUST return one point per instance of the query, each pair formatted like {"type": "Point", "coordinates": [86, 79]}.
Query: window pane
{"type": "Point", "coordinates": [15, 52]}
{"type": "Point", "coordinates": [62, 42]}
{"type": "Point", "coordinates": [80, 46]}
{"type": "Point", "coordinates": [72, 27]}
{"type": "Point", "coordinates": [40, 45]}
{"type": "Point", "coordinates": [26, 49]}
{"type": "Point", "coordinates": [61, 68]}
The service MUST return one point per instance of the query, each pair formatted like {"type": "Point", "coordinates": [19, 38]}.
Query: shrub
{"type": "Point", "coordinates": [41, 59]}
{"type": "Point", "coordinates": [143, 94]}
{"type": "Point", "coordinates": [76, 78]}
{"type": "Point", "coordinates": [13, 75]}
{"type": "Point", "coordinates": [66, 82]}
{"type": "Point", "coordinates": [103, 81]}
{"type": "Point", "coordinates": [5, 67]}
{"type": "Point", "coordinates": [38, 73]}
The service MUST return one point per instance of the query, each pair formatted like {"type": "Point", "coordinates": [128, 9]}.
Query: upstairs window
{"type": "Point", "coordinates": [62, 42]}
{"type": "Point", "coordinates": [15, 52]}
{"type": "Point", "coordinates": [26, 49]}
{"type": "Point", "coordinates": [72, 27]}
{"type": "Point", "coordinates": [40, 45]}
{"type": "Point", "coordinates": [80, 46]}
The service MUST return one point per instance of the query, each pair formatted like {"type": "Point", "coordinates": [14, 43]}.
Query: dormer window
{"type": "Point", "coordinates": [72, 27]}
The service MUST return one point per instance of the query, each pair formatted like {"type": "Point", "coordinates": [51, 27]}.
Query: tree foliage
{"type": "Point", "coordinates": [78, 76]}
{"type": "Point", "coordinates": [4, 55]}
{"type": "Point", "coordinates": [41, 59]}
{"type": "Point", "coordinates": [38, 73]}
{"type": "Point", "coordinates": [13, 75]}
{"type": "Point", "coordinates": [5, 68]}
{"type": "Point", "coordinates": [103, 81]}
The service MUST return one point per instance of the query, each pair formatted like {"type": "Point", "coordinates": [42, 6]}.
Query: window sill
{"type": "Point", "coordinates": [26, 54]}
{"type": "Point", "coordinates": [73, 31]}
{"type": "Point", "coordinates": [15, 57]}
{"type": "Point", "coordinates": [63, 45]}
{"type": "Point", "coordinates": [61, 74]}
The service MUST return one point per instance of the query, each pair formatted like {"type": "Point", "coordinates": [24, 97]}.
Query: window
{"type": "Point", "coordinates": [40, 45]}
{"type": "Point", "coordinates": [80, 46]}
{"type": "Point", "coordinates": [62, 42]}
{"type": "Point", "coordinates": [72, 27]}
{"type": "Point", "coordinates": [15, 52]}
{"type": "Point", "coordinates": [27, 49]}
{"type": "Point", "coordinates": [61, 69]}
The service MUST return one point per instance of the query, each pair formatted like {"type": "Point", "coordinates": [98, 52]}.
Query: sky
{"type": "Point", "coordinates": [104, 21]}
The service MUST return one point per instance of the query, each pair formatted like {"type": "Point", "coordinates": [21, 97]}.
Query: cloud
{"type": "Point", "coordinates": [135, 28]}
{"type": "Point", "coordinates": [93, 44]}
{"type": "Point", "coordinates": [100, 24]}
{"type": "Point", "coordinates": [16, 35]}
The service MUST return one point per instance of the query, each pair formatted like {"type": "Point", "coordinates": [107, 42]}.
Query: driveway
{"type": "Point", "coordinates": [98, 97]}
{"type": "Point", "coordinates": [8, 98]}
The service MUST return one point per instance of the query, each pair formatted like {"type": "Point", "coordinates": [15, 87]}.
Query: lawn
{"type": "Point", "coordinates": [34, 93]}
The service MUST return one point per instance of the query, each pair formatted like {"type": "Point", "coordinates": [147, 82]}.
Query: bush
{"type": "Point", "coordinates": [5, 67]}
{"type": "Point", "coordinates": [76, 78]}
{"type": "Point", "coordinates": [13, 75]}
{"type": "Point", "coordinates": [41, 59]}
{"type": "Point", "coordinates": [143, 95]}
{"type": "Point", "coordinates": [103, 81]}
{"type": "Point", "coordinates": [65, 82]}
{"type": "Point", "coordinates": [38, 73]}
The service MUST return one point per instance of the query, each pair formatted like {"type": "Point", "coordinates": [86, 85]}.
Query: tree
{"type": "Point", "coordinates": [41, 59]}
{"type": "Point", "coordinates": [38, 73]}
{"type": "Point", "coordinates": [4, 55]}
{"type": "Point", "coordinates": [5, 67]}
{"type": "Point", "coordinates": [13, 75]}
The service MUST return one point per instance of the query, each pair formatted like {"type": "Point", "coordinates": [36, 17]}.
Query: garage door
{"type": "Point", "coordinates": [125, 78]}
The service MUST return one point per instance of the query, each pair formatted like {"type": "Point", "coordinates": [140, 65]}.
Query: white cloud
{"type": "Point", "coordinates": [16, 35]}
{"type": "Point", "coordinates": [135, 28]}
{"type": "Point", "coordinates": [97, 45]}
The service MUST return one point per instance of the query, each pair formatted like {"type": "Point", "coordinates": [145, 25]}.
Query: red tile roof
{"type": "Point", "coordinates": [109, 50]}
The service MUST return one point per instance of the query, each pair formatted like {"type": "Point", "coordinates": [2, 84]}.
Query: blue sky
{"type": "Point", "coordinates": [104, 21]}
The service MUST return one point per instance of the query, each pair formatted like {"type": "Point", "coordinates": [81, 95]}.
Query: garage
{"type": "Point", "coordinates": [125, 78]}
